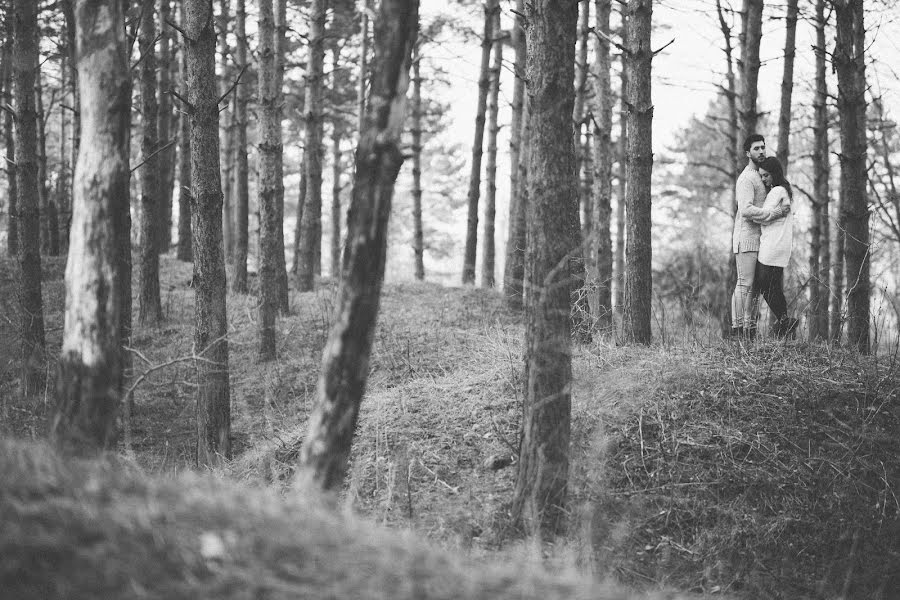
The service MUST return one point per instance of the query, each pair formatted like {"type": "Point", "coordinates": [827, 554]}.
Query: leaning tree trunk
{"type": "Point", "coordinates": [820, 242]}
{"type": "Point", "coordinates": [12, 230]}
{"type": "Point", "coordinates": [493, 128]}
{"type": "Point", "coordinates": [787, 85]}
{"type": "Point", "coordinates": [603, 154]}
{"type": "Point", "coordinates": [639, 168]}
{"type": "Point", "coordinates": [484, 83]}
{"type": "Point", "coordinates": [211, 318]}
{"type": "Point", "coordinates": [166, 154]}
{"type": "Point", "coordinates": [540, 492]}
{"type": "Point", "coordinates": [750, 42]}
{"type": "Point", "coordinates": [311, 226]}
{"type": "Point", "coordinates": [280, 51]}
{"type": "Point", "coordinates": [513, 269]}
{"type": "Point", "coordinates": [88, 382]}
{"type": "Point", "coordinates": [185, 243]}
{"type": "Point", "coordinates": [326, 448]}
{"type": "Point", "coordinates": [269, 147]}
{"type": "Point", "coordinates": [25, 53]}
{"type": "Point", "coordinates": [849, 62]}
{"type": "Point", "coordinates": [416, 131]}
{"type": "Point", "coordinates": [151, 193]}
{"type": "Point", "coordinates": [241, 186]}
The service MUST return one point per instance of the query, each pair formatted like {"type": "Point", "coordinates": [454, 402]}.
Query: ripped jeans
{"type": "Point", "coordinates": [745, 299]}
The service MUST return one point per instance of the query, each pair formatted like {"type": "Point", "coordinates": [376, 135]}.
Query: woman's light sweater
{"type": "Point", "coordinates": [777, 236]}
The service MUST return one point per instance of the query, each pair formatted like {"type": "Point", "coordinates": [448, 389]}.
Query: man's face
{"type": "Point", "coordinates": [757, 152]}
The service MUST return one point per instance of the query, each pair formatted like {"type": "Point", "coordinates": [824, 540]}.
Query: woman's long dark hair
{"type": "Point", "coordinates": [773, 166]}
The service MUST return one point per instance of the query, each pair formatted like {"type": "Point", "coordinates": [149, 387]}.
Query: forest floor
{"type": "Point", "coordinates": [760, 471]}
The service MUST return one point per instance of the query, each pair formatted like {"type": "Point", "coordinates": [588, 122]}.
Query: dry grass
{"type": "Point", "coordinates": [762, 472]}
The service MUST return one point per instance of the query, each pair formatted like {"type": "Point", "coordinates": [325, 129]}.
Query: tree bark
{"type": "Point", "coordinates": [185, 241]}
{"type": "Point", "coordinates": [49, 216]}
{"type": "Point", "coordinates": [603, 155]}
{"type": "Point", "coordinates": [68, 7]}
{"type": "Point", "coordinates": [211, 319]}
{"type": "Point", "coordinates": [336, 132]}
{"type": "Point", "coordinates": [301, 200]}
{"type": "Point", "coordinates": [269, 148]}
{"type": "Point", "coordinates": [12, 229]}
{"type": "Point", "coordinates": [750, 42]}
{"type": "Point", "coordinates": [311, 226]}
{"type": "Point", "coordinates": [514, 266]}
{"type": "Point", "coordinates": [241, 186]}
{"type": "Point", "coordinates": [820, 242]}
{"type": "Point", "coordinates": [62, 193]}
{"type": "Point", "coordinates": [230, 126]}
{"type": "Point", "coordinates": [484, 83]}
{"type": "Point", "coordinates": [151, 193]}
{"type": "Point", "coordinates": [88, 383]}
{"type": "Point", "coordinates": [416, 131]}
{"type": "Point", "coordinates": [493, 128]}
{"type": "Point", "coordinates": [836, 325]}
{"type": "Point", "coordinates": [25, 53]}
{"type": "Point", "coordinates": [619, 271]}
{"type": "Point", "coordinates": [326, 449]}
{"type": "Point", "coordinates": [540, 492]}
{"type": "Point", "coordinates": [581, 87]}
{"type": "Point", "coordinates": [787, 85]}
{"type": "Point", "coordinates": [363, 66]}
{"type": "Point", "coordinates": [280, 50]}
{"type": "Point", "coordinates": [849, 62]}
{"type": "Point", "coordinates": [167, 156]}
{"type": "Point", "coordinates": [639, 168]}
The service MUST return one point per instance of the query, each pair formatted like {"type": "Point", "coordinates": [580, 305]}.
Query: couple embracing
{"type": "Point", "coordinates": [762, 241]}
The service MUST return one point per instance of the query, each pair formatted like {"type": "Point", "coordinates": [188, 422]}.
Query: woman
{"type": "Point", "coordinates": [775, 244]}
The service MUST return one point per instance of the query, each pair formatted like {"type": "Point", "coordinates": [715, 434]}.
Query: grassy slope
{"type": "Point", "coordinates": [707, 467]}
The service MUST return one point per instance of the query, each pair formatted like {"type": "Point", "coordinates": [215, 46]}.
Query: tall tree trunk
{"type": "Point", "coordinates": [211, 318]}
{"type": "Point", "coordinates": [62, 191]}
{"type": "Point", "coordinates": [787, 85]}
{"type": "Point", "coordinates": [185, 241]}
{"type": "Point", "coordinates": [514, 266]}
{"type": "Point", "coordinates": [836, 325]}
{"type": "Point", "coordinates": [49, 217]}
{"type": "Point", "coordinates": [25, 53]}
{"type": "Point", "coordinates": [336, 132]}
{"type": "Point", "coordinates": [88, 383]}
{"type": "Point", "coordinates": [269, 149]}
{"type": "Point", "coordinates": [493, 128]}
{"type": "Point", "coordinates": [241, 186]}
{"type": "Point", "coordinates": [12, 230]}
{"type": "Point", "coordinates": [280, 51]}
{"type": "Point", "coordinates": [311, 226]}
{"type": "Point", "coordinates": [603, 155]}
{"type": "Point", "coordinates": [301, 200]}
{"type": "Point", "coordinates": [363, 66]}
{"type": "Point", "coordinates": [639, 168]}
{"type": "Point", "coordinates": [484, 83]}
{"type": "Point", "coordinates": [619, 271]}
{"type": "Point", "coordinates": [416, 131]}
{"type": "Point", "coordinates": [230, 127]}
{"type": "Point", "coordinates": [166, 156]}
{"type": "Point", "coordinates": [68, 7]}
{"type": "Point", "coordinates": [735, 154]}
{"type": "Point", "coordinates": [150, 303]}
{"type": "Point", "coordinates": [342, 380]}
{"type": "Point", "coordinates": [849, 62]}
{"type": "Point", "coordinates": [750, 42]}
{"type": "Point", "coordinates": [540, 492]}
{"type": "Point", "coordinates": [581, 87]}
{"type": "Point", "coordinates": [820, 242]}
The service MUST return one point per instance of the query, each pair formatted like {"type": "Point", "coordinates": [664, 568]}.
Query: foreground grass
{"type": "Point", "coordinates": [762, 472]}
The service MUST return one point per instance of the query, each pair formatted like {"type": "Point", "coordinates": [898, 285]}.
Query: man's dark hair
{"type": "Point", "coordinates": [752, 139]}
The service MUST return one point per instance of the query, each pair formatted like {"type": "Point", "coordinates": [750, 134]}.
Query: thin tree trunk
{"type": "Point", "coordinates": [49, 217]}
{"type": "Point", "coordinates": [493, 128]}
{"type": "Point", "coordinates": [167, 156]}
{"type": "Point", "coordinates": [603, 155]}
{"type": "Point", "coordinates": [25, 53]}
{"type": "Point", "coordinates": [280, 50]}
{"type": "Point", "coordinates": [230, 121]}
{"type": "Point", "coordinates": [820, 242]}
{"type": "Point", "coordinates": [211, 319]}
{"type": "Point", "coordinates": [62, 192]}
{"type": "Point", "coordinates": [363, 66]}
{"type": "Point", "coordinates": [241, 189]}
{"type": "Point", "coordinates": [68, 7]}
{"type": "Point", "coordinates": [849, 62]}
{"type": "Point", "coordinates": [836, 326]}
{"type": "Point", "coordinates": [336, 132]}
{"type": "Point", "coordinates": [311, 232]}
{"type": "Point", "coordinates": [581, 86]}
{"type": "Point", "coordinates": [269, 148]}
{"type": "Point", "coordinates": [326, 448]}
{"type": "Point", "coordinates": [787, 85]}
{"type": "Point", "coordinates": [750, 42]}
{"type": "Point", "coordinates": [185, 241]}
{"type": "Point", "coordinates": [484, 84]}
{"type": "Point", "coordinates": [12, 230]}
{"type": "Point", "coordinates": [151, 194]}
{"type": "Point", "coordinates": [416, 131]}
{"type": "Point", "coordinates": [88, 383]}
{"type": "Point", "coordinates": [619, 271]}
{"type": "Point", "coordinates": [539, 498]}
{"type": "Point", "coordinates": [513, 271]}
{"type": "Point", "coordinates": [301, 200]}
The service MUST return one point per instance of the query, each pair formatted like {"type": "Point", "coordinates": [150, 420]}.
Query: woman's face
{"type": "Point", "coordinates": [766, 177]}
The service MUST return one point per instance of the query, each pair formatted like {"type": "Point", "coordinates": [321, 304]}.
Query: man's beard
{"type": "Point", "coordinates": [757, 161]}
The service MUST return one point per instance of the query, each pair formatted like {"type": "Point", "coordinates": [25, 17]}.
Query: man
{"type": "Point", "coordinates": [750, 193]}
